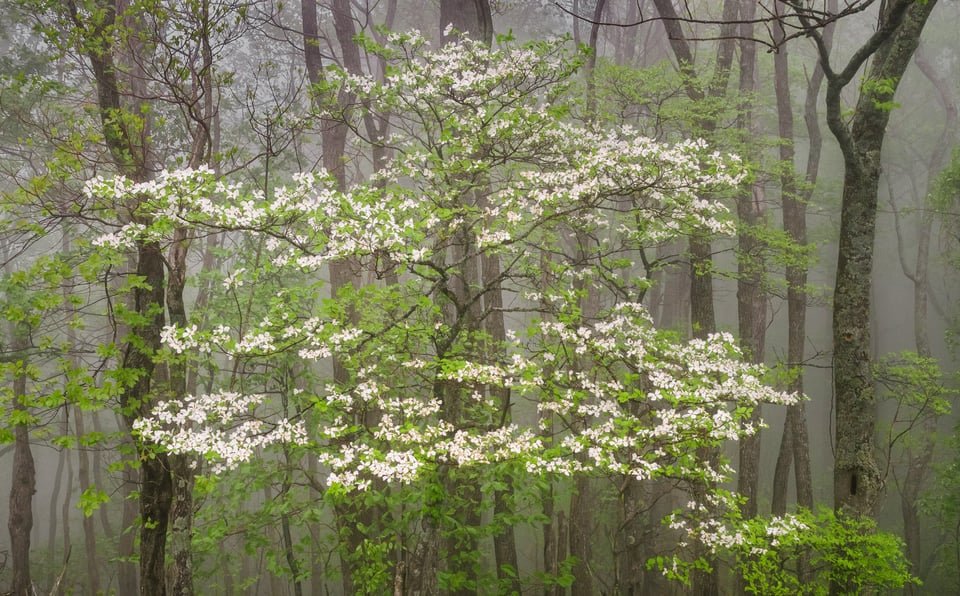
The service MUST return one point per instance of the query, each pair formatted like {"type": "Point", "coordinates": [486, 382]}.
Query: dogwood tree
{"type": "Point", "coordinates": [485, 162]}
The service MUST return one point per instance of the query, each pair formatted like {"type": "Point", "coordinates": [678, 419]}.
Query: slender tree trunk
{"type": "Point", "coordinates": [52, 513]}
{"type": "Point", "coordinates": [751, 303]}
{"type": "Point", "coordinates": [551, 559]}
{"type": "Point", "coordinates": [670, 294]}
{"type": "Point", "coordinates": [89, 529]}
{"type": "Point", "coordinates": [127, 568]}
{"type": "Point", "coordinates": [66, 510]}
{"type": "Point", "coordinates": [100, 480]}
{"type": "Point", "coordinates": [553, 542]}
{"type": "Point", "coordinates": [504, 542]}
{"type": "Point", "coordinates": [316, 533]}
{"type": "Point", "coordinates": [583, 525]}
{"type": "Point", "coordinates": [627, 38]}
{"type": "Point", "coordinates": [581, 534]}
{"type": "Point", "coordinates": [83, 457]}
{"type": "Point", "coordinates": [795, 445]}
{"type": "Point", "coordinates": [631, 546]}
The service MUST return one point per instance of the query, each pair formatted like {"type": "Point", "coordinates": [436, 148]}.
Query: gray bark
{"type": "Point", "coordinates": [858, 484]}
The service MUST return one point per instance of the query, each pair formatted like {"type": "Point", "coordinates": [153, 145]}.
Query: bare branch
{"type": "Point", "coordinates": [801, 20]}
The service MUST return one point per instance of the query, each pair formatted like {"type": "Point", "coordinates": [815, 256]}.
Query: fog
{"type": "Point", "coordinates": [501, 342]}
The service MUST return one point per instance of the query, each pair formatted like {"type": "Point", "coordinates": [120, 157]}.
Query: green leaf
{"type": "Point", "coordinates": [91, 500]}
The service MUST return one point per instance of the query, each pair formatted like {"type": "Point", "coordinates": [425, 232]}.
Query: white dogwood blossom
{"type": "Point", "coordinates": [221, 426]}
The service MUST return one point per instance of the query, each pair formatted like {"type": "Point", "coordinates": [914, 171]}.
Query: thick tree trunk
{"type": "Point", "coordinates": [129, 151]}
{"type": "Point", "coordinates": [23, 480]}
{"type": "Point", "coordinates": [333, 139]}
{"type": "Point", "coordinates": [181, 471]}
{"type": "Point", "coordinates": [857, 478]}
{"type": "Point", "coordinates": [156, 491]}
{"type": "Point", "coordinates": [181, 525]}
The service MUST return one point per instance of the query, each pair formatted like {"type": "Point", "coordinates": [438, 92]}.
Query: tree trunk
{"type": "Point", "coordinates": [316, 533]}
{"type": "Point", "coordinates": [23, 478]}
{"type": "Point", "coordinates": [858, 487]}
{"type": "Point", "coordinates": [156, 491]}
{"type": "Point", "coordinates": [128, 580]}
{"type": "Point", "coordinates": [504, 542]}
{"type": "Point", "coordinates": [129, 151]}
{"type": "Point", "coordinates": [62, 455]}
{"type": "Point", "coordinates": [794, 446]}
{"type": "Point", "coordinates": [551, 560]}
{"type": "Point", "coordinates": [66, 508]}
{"type": "Point", "coordinates": [83, 457]}
{"type": "Point", "coordinates": [181, 469]}
{"type": "Point", "coordinates": [100, 480]}
{"type": "Point", "coordinates": [468, 16]}
{"type": "Point", "coordinates": [89, 529]}
{"type": "Point", "coordinates": [181, 525]}
{"type": "Point", "coordinates": [583, 510]}
{"type": "Point", "coordinates": [751, 303]}
{"type": "Point", "coordinates": [333, 139]}
{"type": "Point", "coordinates": [581, 534]}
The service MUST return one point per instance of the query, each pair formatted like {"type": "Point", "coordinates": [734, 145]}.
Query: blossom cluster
{"type": "Point", "coordinates": [483, 151]}
{"type": "Point", "coordinates": [660, 402]}
{"type": "Point", "coordinates": [221, 426]}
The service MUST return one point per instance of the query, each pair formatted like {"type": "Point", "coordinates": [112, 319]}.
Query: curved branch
{"type": "Point", "coordinates": [803, 20]}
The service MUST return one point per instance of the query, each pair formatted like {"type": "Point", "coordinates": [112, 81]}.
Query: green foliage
{"type": "Point", "coordinates": [946, 188]}
{"type": "Point", "coordinates": [915, 382]}
{"type": "Point", "coordinates": [915, 386]}
{"type": "Point", "coordinates": [880, 92]}
{"type": "Point", "coordinates": [91, 500]}
{"type": "Point", "coordinates": [841, 551]}
{"type": "Point", "coordinates": [942, 503]}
